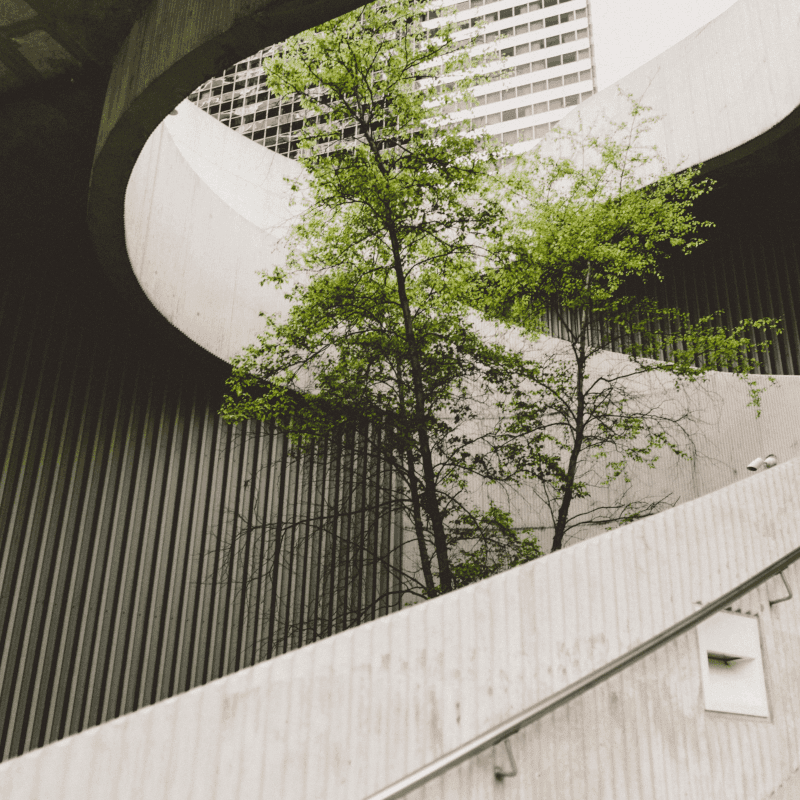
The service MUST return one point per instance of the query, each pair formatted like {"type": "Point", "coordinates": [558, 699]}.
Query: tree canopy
{"type": "Point", "coordinates": [380, 331]}
{"type": "Point", "coordinates": [413, 245]}
{"type": "Point", "coordinates": [590, 223]}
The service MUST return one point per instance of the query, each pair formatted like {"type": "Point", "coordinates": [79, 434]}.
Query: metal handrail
{"type": "Point", "coordinates": [511, 726]}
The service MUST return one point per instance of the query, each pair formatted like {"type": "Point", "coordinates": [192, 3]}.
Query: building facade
{"type": "Point", "coordinates": [547, 70]}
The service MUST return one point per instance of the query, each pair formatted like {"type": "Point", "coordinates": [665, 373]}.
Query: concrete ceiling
{"type": "Point", "coordinates": [41, 39]}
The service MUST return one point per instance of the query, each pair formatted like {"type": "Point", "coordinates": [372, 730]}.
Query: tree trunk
{"type": "Point", "coordinates": [580, 428]}
{"type": "Point", "coordinates": [430, 584]}
{"type": "Point", "coordinates": [430, 500]}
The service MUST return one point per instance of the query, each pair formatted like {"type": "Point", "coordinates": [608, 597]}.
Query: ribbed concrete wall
{"type": "Point", "coordinates": [348, 715]}
{"type": "Point", "coordinates": [145, 546]}
{"type": "Point", "coordinates": [749, 266]}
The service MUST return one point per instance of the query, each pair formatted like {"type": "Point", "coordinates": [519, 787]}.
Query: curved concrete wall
{"type": "Point", "coordinates": [728, 89]}
{"type": "Point", "coordinates": [205, 210]}
{"type": "Point", "coordinates": [173, 47]}
{"type": "Point", "coordinates": [345, 717]}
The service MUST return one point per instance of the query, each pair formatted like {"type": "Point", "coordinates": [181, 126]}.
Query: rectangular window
{"type": "Point", "coordinates": [491, 18]}
{"type": "Point", "coordinates": [553, 41]}
{"type": "Point", "coordinates": [520, 10]}
{"type": "Point", "coordinates": [572, 100]}
{"type": "Point", "coordinates": [537, 25]}
{"type": "Point", "coordinates": [272, 131]}
{"type": "Point", "coordinates": [225, 107]}
{"type": "Point", "coordinates": [525, 134]}
{"type": "Point", "coordinates": [536, 5]}
{"type": "Point", "coordinates": [247, 119]}
{"type": "Point", "coordinates": [478, 122]}
{"type": "Point", "coordinates": [580, 13]}
{"type": "Point", "coordinates": [507, 32]}
{"type": "Point", "coordinates": [510, 137]}
{"type": "Point", "coordinates": [554, 83]}
{"type": "Point", "coordinates": [252, 81]}
{"type": "Point", "coordinates": [582, 34]}
{"type": "Point", "coordinates": [568, 17]}
{"type": "Point", "coordinates": [259, 134]}
{"type": "Point", "coordinates": [550, 21]}
{"type": "Point", "coordinates": [568, 79]}
{"type": "Point", "coordinates": [475, 3]}
{"type": "Point", "coordinates": [557, 103]}
{"type": "Point", "coordinates": [586, 75]}
{"type": "Point", "coordinates": [525, 111]}
{"type": "Point", "coordinates": [538, 65]}
{"type": "Point", "coordinates": [494, 97]}
{"type": "Point", "coordinates": [491, 36]}
{"type": "Point", "coordinates": [540, 108]}
{"type": "Point", "coordinates": [509, 115]}
{"type": "Point", "coordinates": [568, 37]}
{"type": "Point", "coordinates": [285, 128]}
{"type": "Point", "coordinates": [492, 119]}
{"type": "Point", "coordinates": [537, 45]}
{"type": "Point", "coordinates": [586, 96]}
{"type": "Point", "coordinates": [583, 54]}
{"type": "Point", "coordinates": [507, 51]}
{"type": "Point", "coordinates": [548, 3]}
{"type": "Point", "coordinates": [555, 61]}
{"type": "Point", "coordinates": [521, 90]}
{"type": "Point", "coordinates": [541, 130]}
{"type": "Point", "coordinates": [520, 29]}
{"type": "Point", "coordinates": [508, 94]}
{"type": "Point", "coordinates": [540, 86]}
{"type": "Point", "coordinates": [569, 58]}
{"type": "Point", "coordinates": [520, 49]}
{"type": "Point", "coordinates": [523, 69]}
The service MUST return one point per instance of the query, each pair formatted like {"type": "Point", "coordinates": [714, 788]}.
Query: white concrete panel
{"type": "Point", "coordinates": [721, 87]}
{"type": "Point", "coordinates": [205, 212]}
{"type": "Point", "coordinates": [342, 718]}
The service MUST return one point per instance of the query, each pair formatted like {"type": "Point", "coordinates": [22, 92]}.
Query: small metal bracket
{"type": "Point", "coordinates": [788, 589]}
{"type": "Point", "coordinates": [499, 772]}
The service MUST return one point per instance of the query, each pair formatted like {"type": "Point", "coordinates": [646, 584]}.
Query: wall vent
{"type": "Point", "coordinates": [732, 666]}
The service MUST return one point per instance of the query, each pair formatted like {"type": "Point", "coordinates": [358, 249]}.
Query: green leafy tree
{"type": "Point", "coordinates": [591, 222]}
{"type": "Point", "coordinates": [379, 335]}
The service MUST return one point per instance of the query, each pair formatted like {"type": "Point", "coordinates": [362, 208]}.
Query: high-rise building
{"type": "Point", "coordinates": [547, 70]}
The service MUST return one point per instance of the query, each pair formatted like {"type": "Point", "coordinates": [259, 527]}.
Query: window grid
{"type": "Point", "coordinates": [240, 99]}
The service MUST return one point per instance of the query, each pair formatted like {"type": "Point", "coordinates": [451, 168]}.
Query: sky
{"type": "Point", "coordinates": [628, 33]}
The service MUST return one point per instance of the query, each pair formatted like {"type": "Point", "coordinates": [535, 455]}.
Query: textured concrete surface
{"type": "Point", "coordinates": [344, 717]}
{"type": "Point", "coordinates": [727, 90]}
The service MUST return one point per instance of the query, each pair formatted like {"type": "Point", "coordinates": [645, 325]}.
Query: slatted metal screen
{"type": "Point", "coordinates": [147, 547]}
